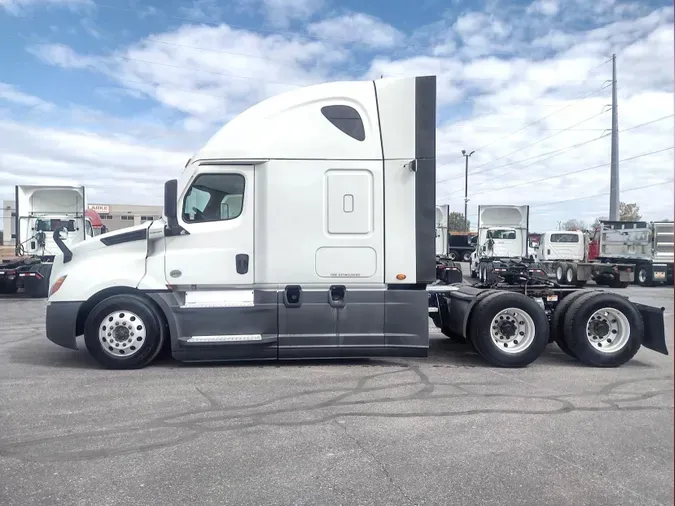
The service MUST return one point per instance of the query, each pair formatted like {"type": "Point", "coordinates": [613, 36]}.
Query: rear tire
{"type": "Point", "coordinates": [603, 329]}
{"type": "Point", "coordinates": [558, 321]}
{"type": "Point", "coordinates": [644, 276]}
{"type": "Point", "coordinates": [571, 274]}
{"type": "Point", "coordinates": [466, 257]}
{"type": "Point", "coordinates": [453, 255]}
{"type": "Point", "coordinates": [560, 271]}
{"type": "Point", "coordinates": [124, 332]}
{"type": "Point", "coordinates": [508, 329]}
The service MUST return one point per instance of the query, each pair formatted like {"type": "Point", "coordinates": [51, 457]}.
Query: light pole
{"type": "Point", "coordinates": [466, 188]}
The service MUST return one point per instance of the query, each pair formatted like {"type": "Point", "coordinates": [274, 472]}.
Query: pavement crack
{"type": "Point", "coordinates": [373, 456]}
{"type": "Point", "coordinates": [213, 402]}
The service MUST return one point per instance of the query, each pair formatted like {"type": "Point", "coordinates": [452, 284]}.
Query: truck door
{"type": "Point", "coordinates": [212, 267]}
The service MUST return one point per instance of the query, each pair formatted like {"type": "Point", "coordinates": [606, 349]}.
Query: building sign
{"type": "Point", "coordinates": [99, 208]}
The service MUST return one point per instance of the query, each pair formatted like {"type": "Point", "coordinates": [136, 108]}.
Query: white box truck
{"type": "Point", "coordinates": [304, 228]}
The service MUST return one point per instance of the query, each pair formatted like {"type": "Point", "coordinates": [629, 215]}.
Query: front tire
{"type": "Point", "coordinates": [508, 329]}
{"type": "Point", "coordinates": [124, 332]}
{"type": "Point", "coordinates": [603, 329]}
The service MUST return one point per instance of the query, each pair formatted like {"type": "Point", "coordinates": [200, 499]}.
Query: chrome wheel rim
{"type": "Point", "coordinates": [512, 330]}
{"type": "Point", "coordinates": [121, 334]}
{"type": "Point", "coordinates": [452, 255]}
{"type": "Point", "coordinates": [642, 275]}
{"type": "Point", "coordinates": [559, 273]}
{"type": "Point", "coordinates": [608, 330]}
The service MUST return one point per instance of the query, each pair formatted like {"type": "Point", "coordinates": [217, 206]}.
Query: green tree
{"type": "Point", "coordinates": [573, 225]}
{"type": "Point", "coordinates": [456, 222]}
{"type": "Point", "coordinates": [629, 212]}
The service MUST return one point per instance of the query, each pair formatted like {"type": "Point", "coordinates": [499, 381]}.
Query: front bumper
{"type": "Point", "coordinates": [61, 323]}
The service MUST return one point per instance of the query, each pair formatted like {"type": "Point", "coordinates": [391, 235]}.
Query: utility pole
{"type": "Point", "coordinates": [614, 155]}
{"type": "Point", "coordinates": [466, 188]}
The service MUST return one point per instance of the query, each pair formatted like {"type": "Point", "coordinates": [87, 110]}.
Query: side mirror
{"type": "Point", "coordinates": [170, 203]}
{"type": "Point", "coordinates": [171, 209]}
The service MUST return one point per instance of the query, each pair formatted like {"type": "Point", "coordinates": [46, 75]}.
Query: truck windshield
{"type": "Point", "coordinates": [44, 225]}
{"type": "Point", "coordinates": [501, 234]}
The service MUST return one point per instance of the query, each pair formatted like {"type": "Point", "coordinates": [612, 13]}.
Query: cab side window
{"type": "Point", "coordinates": [214, 197]}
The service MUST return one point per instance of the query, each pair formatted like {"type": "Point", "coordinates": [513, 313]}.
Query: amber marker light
{"type": "Point", "coordinates": [57, 284]}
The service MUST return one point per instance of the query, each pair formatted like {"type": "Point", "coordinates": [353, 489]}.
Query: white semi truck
{"type": "Point", "coordinates": [39, 212]}
{"type": "Point", "coordinates": [502, 239]}
{"type": "Point", "coordinates": [304, 228]}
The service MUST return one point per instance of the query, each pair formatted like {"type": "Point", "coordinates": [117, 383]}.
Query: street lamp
{"type": "Point", "coordinates": [466, 188]}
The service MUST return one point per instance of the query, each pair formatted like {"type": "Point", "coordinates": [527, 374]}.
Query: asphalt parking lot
{"type": "Point", "coordinates": [443, 430]}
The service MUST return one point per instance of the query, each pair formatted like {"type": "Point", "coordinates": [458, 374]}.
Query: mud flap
{"type": "Point", "coordinates": [655, 332]}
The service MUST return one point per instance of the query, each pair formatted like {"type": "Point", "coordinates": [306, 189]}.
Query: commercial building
{"type": "Point", "coordinates": [114, 217]}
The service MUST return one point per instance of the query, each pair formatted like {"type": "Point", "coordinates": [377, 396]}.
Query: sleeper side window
{"type": "Point", "coordinates": [214, 197]}
{"type": "Point", "coordinates": [347, 119]}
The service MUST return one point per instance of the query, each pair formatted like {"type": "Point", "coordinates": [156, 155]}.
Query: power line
{"type": "Point", "coordinates": [660, 183]}
{"type": "Point", "coordinates": [525, 147]}
{"type": "Point", "coordinates": [547, 116]}
{"type": "Point", "coordinates": [541, 140]}
{"type": "Point", "coordinates": [572, 172]}
{"type": "Point", "coordinates": [559, 151]}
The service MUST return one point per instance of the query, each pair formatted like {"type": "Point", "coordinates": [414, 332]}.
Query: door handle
{"type": "Point", "coordinates": [241, 261]}
{"type": "Point", "coordinates": [293, 296]}
{"type": "Point", "coordinates": [336, 295]}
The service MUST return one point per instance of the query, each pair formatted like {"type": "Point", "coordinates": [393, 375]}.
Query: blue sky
{"type": "Point", "coordinates": [120, 93]}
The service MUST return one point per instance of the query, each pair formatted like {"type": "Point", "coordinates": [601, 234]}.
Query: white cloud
{"type": "Point", "coordinates": [280, 13]}
{"type": "Point", "coordinates": [545, 7]}
{"type": "Point", "coordinates": [9, 93]}
{"type": "Point", "coordinates": [498, 74]}
{"type": "Point", "coordinates": [19, 7]}
{"type": "Point", "coordinates": [208, 73]}
{"type": "Point", "coordinates": [357, 28]}
{"type": "Point", "coordinates": [202, 10]}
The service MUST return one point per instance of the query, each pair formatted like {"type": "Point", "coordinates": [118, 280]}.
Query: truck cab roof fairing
{"type": "Point", "coordinates": [305, 124]}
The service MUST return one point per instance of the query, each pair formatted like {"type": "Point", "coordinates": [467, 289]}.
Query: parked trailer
{"type": "Point", "coordinates": [222, 277]}
{"type": "Point", "coordinates": [41, 210]}
{"type": "Point", "coordinates": [564, 255]}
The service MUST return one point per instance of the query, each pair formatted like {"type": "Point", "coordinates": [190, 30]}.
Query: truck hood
{"type": "Point", "coordinates": [110, 239]}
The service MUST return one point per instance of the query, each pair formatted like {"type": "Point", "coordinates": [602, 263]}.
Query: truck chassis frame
{"type": "Point", "coordinates": [459, 310]}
